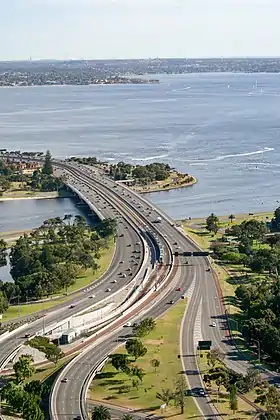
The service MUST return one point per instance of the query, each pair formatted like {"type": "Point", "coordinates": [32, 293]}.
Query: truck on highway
{"type": "Point", "coordinates": [158, 219]}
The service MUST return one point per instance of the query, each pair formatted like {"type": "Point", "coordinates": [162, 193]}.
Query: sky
{"type": "Point", "coordinates": [93, 29]}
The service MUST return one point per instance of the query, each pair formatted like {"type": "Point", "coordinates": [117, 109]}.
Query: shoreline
{"type": "Point", "coordinates": [161, 188]}
{"type": "Point", "coordinates": [35, 196]}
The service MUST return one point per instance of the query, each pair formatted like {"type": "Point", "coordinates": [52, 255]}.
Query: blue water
{"type": "Point", "coordinates": [222, 128]}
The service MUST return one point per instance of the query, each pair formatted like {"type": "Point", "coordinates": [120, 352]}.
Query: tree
{"type": "Point", "coordinates": [3, 303]}
{"type": "Point", "coordinates": [214, 356]}
{"type": "Point", "coordinates": [212, 223]}
{"type": "Point", "coordinates": [270, 398]}
{"type": "Point", "coordinates": [120, 362]}
{"type": "Point", "coordinates": [47, 167]}
{"type": "Point", "coordinates": [138, 372]}
{"type": "Point", "coordinates": [100, 413]}
{"type": "Point", "coordinates": [233, 402]}
{"type": "Point", "coordinates": [155, 363]}
{"type": "Point", "coordinates": [135, 348]}
{"type": "Point", "coordinates": [35, 388]}
{"type": "Point", "coordinates": [166, 395]}
{"type": "Point", "coordinates": [179, 394]}
{"type": "Point", "coordinates": [31, 409]}
{"type": "Point", "coordinates": [23, 368]}
{"type": "Point", "coordinates": [107, 227]}
{"type": "Point", "coordinates": [54, 353]}
{"type": "Point", "coordinates": [146, 326]}
{"type": "Point", "coordinates": [231, 217]}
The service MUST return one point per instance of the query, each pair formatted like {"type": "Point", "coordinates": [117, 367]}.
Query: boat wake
{"type": "Point", "coordinates": [222, 157]}
{"type": "Point", "coordinates": [145, 159]}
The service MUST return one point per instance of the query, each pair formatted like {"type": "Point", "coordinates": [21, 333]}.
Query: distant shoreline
{"type": "Point", "coordinates": [36, 196]}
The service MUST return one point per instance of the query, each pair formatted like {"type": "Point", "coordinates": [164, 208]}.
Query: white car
{"type": "Point", "coordinates": [92, 296]}
{"type": "Point", "coordinates": [114, 281]}
{"type": "Point", "coordinates": [108, 290]}
{"type": "Point", "coordinates": [214, 324]}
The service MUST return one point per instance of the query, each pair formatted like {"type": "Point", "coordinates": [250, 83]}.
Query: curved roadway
{"type": "Point", "coordinates": [204, 307]}
{"type": "Point", "coordinates": [125, 246]}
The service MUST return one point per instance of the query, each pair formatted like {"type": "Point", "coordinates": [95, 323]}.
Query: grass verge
{"type": "Point", "coordinates": [163, 345]}
{"type": "Point", "coordinates": [15, 311]}
{"type": "Point", "coordinates": [230, 275]}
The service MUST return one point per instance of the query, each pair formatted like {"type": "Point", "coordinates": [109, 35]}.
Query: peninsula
{"type": "Point", "coordinates": [154, 177]}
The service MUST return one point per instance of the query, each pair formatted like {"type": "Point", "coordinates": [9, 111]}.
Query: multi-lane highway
{"type": "Point", "coordinates": [204, 318]}
{"type": "Point", "coordinates": [129, 241]}
{"type": "Point", "coordinates": [193, 278]}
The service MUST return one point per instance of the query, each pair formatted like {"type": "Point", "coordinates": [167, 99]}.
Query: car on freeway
{"type": "Point", "coordinates": [137, 243]}
{"type": "Point", "coordinates": [121, 235]}
{"type": "Point", "coordinates": [108, 289]}
{"type": "Point", "coordinates": [27, 335]}
{"type": "Point", "coordinates": [64, 380]}
{"type": "Point", "coordinates": [128, 324]}
{"type": "Point", "coordinates": [213, 324]}
{"type": "Point", "coordinates": [114, 281]}
{"type": "Point", "coordinates": [128, 245]}
{"type": "Point", "coordinates": [124, 276]}
{"type": "Point", "coordinates": [92, 296]}
{"type": "Point", "coordinates": [71, 306]}
{"type": "Point", "coordinates": [183, 297]}
{"type": "Point", "coordinates": [179, 289]}
{"type": "Point", "coordinates": [121, 262]}
{"type": "Point", "coordinates": [171, 302]}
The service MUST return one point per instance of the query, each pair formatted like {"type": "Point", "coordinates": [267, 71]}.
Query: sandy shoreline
{"type": "Point", "coordinates": [33, 197]}
{"type": "Point", "coordinates": [162, 189]}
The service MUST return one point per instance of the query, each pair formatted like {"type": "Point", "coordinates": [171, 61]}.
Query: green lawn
{"type": "Point", "coordinates": [162, 344]}
{"type": "Point", "coordinates": [23, 310]}
{"type": "Point", "coordinates": [230, 275]}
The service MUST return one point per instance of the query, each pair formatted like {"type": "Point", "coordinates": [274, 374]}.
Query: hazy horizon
{"type": "Point", "coordinates": [111, 29]}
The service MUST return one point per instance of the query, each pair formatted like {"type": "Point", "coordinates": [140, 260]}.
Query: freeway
{"type": "Point", "coordinates": [128, 242]}
{"type": "Point", "coordinates": [204, 304]}
{"type": "Point", "coordinates": [194, 279]}
{"type": "Point", "coordinates": [194, 272]}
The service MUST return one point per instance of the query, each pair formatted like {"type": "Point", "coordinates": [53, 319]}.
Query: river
{"type": "Point", "coordinates": [222, 128]}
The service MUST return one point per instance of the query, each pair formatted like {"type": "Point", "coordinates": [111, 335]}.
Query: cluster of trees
{"type": "Point", "coordinates": [91, 160]}
{"type": "Point", "coordinates": [143, 174]}
{"type": "Point", "coordinates": [253, 245]}
{"type": "Point", "coordinates": [235, 383]}
{"type": "Point", "coordinates": [135, 349]}
{"type": "Point", "coordinates": [23, 396]}
{"type": "Point", "coordinates": [40, 180]}
{"type": "Point", "coordinates": [51, 257]}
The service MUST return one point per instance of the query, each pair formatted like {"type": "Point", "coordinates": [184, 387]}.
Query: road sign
{"type": "Point", "coordinates": [204, 345]}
